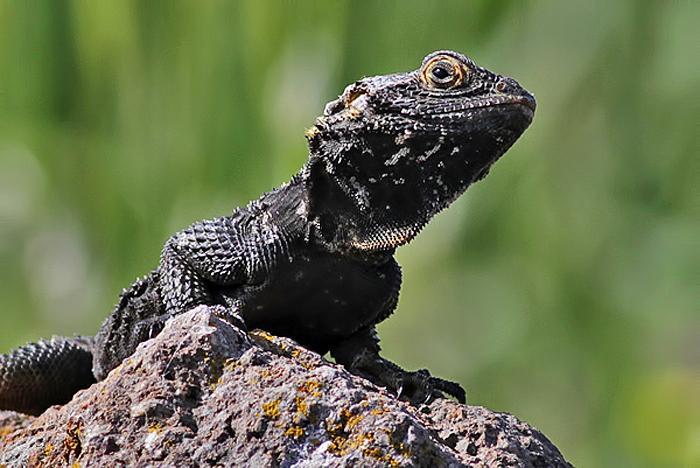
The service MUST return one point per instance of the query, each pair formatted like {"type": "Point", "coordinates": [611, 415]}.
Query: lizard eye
{"type": "Point", "coordinates": [443, 72]}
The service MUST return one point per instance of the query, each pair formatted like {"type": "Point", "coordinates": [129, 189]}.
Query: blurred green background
{"type": "Point", "coordinates": [564, 289]}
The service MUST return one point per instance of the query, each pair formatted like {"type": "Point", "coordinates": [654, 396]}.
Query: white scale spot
{"type": "Point", "coordinates": [397, 156]}
{"type": "Point", "coordinates": [429, 153]}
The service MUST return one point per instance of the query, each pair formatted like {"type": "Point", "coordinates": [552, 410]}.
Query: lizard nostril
{"type": "Point", "coordinates": [508, 86]}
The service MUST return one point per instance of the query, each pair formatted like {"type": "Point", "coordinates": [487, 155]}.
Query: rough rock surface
{"type": "Point", "coordinates": [204, 393]}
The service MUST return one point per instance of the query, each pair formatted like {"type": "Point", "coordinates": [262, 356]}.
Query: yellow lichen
{"type": "Point", "coordinates": [217, 368]}
{"type": "Point", "coordinates": [271, 409]}
{"type": "Point", "coordinates": [311, 387]}
{"type": "Point", "coordinates": [354, 421]}
{"type": "Point", "coordinates": [378, 454]}
{"type": "Point", "coordinates": [294, 431]}
{"type": "Point", "coordinates": [262, 334]}
{"type": "Point", "coordinates": [301, 405]}
{"type": "Point", "coordinates": [48, 449]}
{"type": "Point", "coordinates": [341, 443]}
{"type": "Point", "coordinates": [374, 452]}
{"type": "Point", "coordinates": [155, 428]}
{"type": "Point", "coordinates": [358, 440]}
{"type": "Point", "coordinates": [337, 445]}
{"type": "Point", "coordinates": [71, 442]}
{"type": "Point", "coordinates": [344, 437]}
{"type": "Point", "coordinates": [230, 364]}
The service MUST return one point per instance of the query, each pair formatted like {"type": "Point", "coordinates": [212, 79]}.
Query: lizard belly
{"type": "Point", "coordinates": [318, 298]}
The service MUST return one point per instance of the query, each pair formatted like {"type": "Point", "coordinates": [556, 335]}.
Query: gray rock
{"type": "Point", "coordinates": [204, 393]}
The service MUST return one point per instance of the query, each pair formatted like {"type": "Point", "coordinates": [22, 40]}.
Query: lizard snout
{"type": "Point", "coordinates": [511, 87]}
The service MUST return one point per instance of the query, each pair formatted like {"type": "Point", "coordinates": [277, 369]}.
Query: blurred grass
{"type": "Point", "coordinates": [564, 289]}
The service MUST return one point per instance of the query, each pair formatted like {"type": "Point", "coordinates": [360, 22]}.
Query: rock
{"type": "Point", "coordinates": [204, 393]}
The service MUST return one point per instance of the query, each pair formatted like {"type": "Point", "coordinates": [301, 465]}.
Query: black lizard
{"type": "Point", "coordinates": [314, 258]}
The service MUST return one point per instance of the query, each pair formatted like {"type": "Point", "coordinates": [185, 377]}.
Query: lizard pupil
{"type": "Point", "coordinates": [440, 72]}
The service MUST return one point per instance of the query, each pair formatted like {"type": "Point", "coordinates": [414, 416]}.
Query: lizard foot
{"type": "Point", "coordinates": [421, 387]}
{"type": "Point", "coordinates": [417, 387]}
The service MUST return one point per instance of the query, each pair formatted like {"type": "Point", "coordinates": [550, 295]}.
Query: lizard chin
{"type": "Point", "coordinates": [396, 197]}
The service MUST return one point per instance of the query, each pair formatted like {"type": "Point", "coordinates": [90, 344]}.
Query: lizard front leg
{"type": "Point", "coordinates": [186, 283]}
{"type": "Point", "coordinates": [360, 355]}
{"type": "Point", "coordinates": [194, 262]}
{"type": "Point", "coordinates": [205, 262]}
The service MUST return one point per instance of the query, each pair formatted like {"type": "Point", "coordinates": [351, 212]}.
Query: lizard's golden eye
{"type": "Point", "coordinates": [443, 72]}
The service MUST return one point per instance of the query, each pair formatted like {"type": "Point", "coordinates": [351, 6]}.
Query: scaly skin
{"type": "Point", "coordinates": [314, 258]}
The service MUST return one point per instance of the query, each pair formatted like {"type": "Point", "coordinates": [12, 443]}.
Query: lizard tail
{"type": "Point", "coordinates": [38, 375]}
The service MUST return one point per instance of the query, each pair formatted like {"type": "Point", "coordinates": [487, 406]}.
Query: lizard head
{"type": "Point", "coordinates": [395, 150]}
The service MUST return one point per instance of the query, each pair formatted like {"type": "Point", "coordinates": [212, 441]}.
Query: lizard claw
{"type": "Point", "coordinates": [420, 387]}
{"type": "Point", "coordinates": [450, 388]}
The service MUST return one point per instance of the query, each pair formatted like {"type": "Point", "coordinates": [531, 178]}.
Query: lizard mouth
{"type": "Point", "coordinates": [522, 104]}
{"type": "Point", "coordinates": [518, 110]}
{"type": "Point", "coordinates": [527, 101]}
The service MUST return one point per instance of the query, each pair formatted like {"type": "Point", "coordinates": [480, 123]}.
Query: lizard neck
{"type": "Point", "coordinates": [340, 218]}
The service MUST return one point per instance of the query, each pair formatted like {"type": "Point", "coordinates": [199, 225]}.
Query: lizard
{"type": "Point", "coordinates": [313, 259]}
